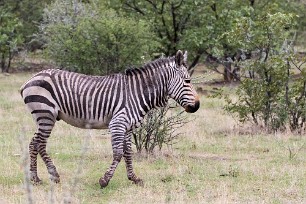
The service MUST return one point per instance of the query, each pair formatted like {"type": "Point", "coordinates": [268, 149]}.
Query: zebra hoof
{"type": "Point", "coordinates": [138, 182]}
{"type": "Point", "coordinates": [35, 180]}
{"type": "Point", "coordinates": [54, 179]}
{"type": "Point", "coordinates": [103, 183]}
{"type": "Point", "coordinates": [54, 176]}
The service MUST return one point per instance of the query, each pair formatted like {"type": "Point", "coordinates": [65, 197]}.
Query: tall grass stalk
{"type": "Point", "coordinates": [25, 164]}
{"type": "Point", "coordinates": [73, 187]}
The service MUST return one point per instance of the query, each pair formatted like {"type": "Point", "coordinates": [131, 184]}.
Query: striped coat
{"type": "Point", "coordinates": [118, 102]}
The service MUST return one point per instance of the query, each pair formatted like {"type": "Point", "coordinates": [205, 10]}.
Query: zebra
{"type": "Point", "coordinates": [117, 101]}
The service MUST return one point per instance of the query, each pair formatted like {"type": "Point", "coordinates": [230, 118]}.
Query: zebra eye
{"type": "Point", "coordinates": [187, 81]}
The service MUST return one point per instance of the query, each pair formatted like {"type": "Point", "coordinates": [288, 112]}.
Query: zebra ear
{"type": "Point", "coordinates": [179, 58]}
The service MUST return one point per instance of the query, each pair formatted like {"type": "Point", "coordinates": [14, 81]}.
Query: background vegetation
{"type": "Point", "coordinates": [252, 56]}
{"type": "Point", "coordinates": [91, 39]}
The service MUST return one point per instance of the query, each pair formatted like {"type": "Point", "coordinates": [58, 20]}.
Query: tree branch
{"type": "Point", "coordinates": [135, 8]}
{"type": "Point", "coordinates": [252, 2]}
{"type": "Point", "coordinates": [183, 22]}
{"type": "Point", "coordinates": [175, 26]}
{"type": "Point", "coordinates": [179, 5]}
{"type": "Point", "coordinates": [162, 7]}
{"type": "Point", "coordinates": [214, 8]}
{"type": "Point", "coordinates": [195, 61]}
{"type": "Point", "coordinates": [152, 3]}
{"type": "Point", "coordinates": [165, 25]}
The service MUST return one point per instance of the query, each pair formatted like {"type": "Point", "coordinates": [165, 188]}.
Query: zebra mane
{"type": "Point", "coordinates": [155, 64]}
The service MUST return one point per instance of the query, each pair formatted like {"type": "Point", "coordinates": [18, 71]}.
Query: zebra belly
{"type": "Point", "coordinates": [84, 123]}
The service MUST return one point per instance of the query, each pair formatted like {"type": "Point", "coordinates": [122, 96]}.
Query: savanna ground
{"type": "Point", "coordinates": [214, 161]}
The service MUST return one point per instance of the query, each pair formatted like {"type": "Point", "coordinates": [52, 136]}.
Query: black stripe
{"type": "Point", "coordinates": [117, 97]}
{"type": "Point", "coordinates": [43, 84]}
{"type": "Point", "coordinates": [44, 118]}
{"type": "Point", "coordinates": [96, 96]}
{"type": "Point", "coordinates": [65, 91]}
{"type": "Point", "coordinates": [45, 124]}
{"type": "Point", "coordinates": [141, 82]}
{"type": "Point", "coordinates": [79, 94]}
{"type": "Point", "coordinates": [158, 89]}
{"type": "Point", "coordinates": [146, 91]}
{"type": "Point", "coordinates": [41, 111]}
{"type": "Point", "coordinates": [114, 88]}
{"type": "Point", "coordinates": [70, 95]}
{"type": "Point", "coordinates": [39, 99]}
{"type": "Point", "coordinates": [90, 100]}
{"type": "Point", "coordinates": [44, 131]}
{"type": "Point", "coordinates": [75, 94]}
{"type": "Point", "coordinates": [132, 111]}
{"type": "Point", "coordinates": [61, 91]}
{"type": "Point", "coordinates": [85, 99]}
{"type": "Point", "coordinates": [39, 74]}
{"type": "Point", "coordinates": [73, 103]}
{"type": "Point", "coordinates": [42, 136]}
{"type": "Point", "coordinates": [102, 98]}
{"type": "Point", "coordinates": [58, 91]}
{"type": "Point", "coordinates": [109, 88]}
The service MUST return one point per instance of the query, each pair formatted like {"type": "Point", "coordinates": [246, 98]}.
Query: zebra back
{"type": "Point", "coordinates": [77, 96]}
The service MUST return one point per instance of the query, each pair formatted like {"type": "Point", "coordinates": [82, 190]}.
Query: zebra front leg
{"type": "Point", "coordinates": [117, 155]}
{"type": "Point", "coordinates": [128, 162]}
{"type": "Point", "coordinates": [118, 135]}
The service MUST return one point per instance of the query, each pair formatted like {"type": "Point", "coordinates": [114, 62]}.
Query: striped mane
{"type": "Point", "coordinates": [155, 64]}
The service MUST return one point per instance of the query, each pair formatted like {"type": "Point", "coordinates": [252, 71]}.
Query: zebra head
{"type": "Point", "coordinates": [179, 88]}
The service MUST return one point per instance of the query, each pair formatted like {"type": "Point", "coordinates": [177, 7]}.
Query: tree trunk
{"type": "Point", "coordinates": [194, 63]}
{"type": "Point", "coordinates": [227, 74]}
{"type": "Point", "coordinates": [2, 62]}
{"type": "Point", "coordinates": [10, 57]}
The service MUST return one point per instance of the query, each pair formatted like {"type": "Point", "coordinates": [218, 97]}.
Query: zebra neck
{"type": "Point", "coordinates": [147, 90]}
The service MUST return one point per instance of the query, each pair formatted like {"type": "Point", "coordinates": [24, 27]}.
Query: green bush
{"type": "Point", "coordinates": [9, 38]}
{"type": "Point", "coordinates": [272, 90]}
{"type": "Point", "coordinates": [88, 38]}
{"type": "Point", "coordinates": [158, 129]}
{"type": "Point", "coordinates": [261, 98]}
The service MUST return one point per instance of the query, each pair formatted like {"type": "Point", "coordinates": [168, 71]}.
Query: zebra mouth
{"type": "Point", "coordinates": [193, 108]}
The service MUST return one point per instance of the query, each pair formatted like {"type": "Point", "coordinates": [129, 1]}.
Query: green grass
{"type": "Point", "coordinates": [210, 163]}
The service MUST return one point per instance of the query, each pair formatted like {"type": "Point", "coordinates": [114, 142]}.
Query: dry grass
{"type": "Point", "coordinates": [210, 163]}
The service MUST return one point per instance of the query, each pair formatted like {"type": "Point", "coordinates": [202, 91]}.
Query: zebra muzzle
{"type": "Point", "coordinates": [193, 108]}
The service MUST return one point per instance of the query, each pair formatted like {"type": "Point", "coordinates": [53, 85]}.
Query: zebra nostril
{"type": "Point", "coordinates": [193, 108]}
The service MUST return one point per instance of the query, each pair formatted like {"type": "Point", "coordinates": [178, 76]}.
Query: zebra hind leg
{"type": "Point", "coordinates": [128, 162]}
{"type": "Point", "coordinates": [54, 176]}
{"type": "Point", "coordinates": [33, 150]}
{"type": "Point", "coordinates": [38, 145]}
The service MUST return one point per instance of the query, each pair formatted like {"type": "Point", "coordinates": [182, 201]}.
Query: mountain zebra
{"type": "Point", "coordinates": [118, 102]}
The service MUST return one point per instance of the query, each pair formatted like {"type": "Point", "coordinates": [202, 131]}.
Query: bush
{"type": "Point", "coordinates": [272, 92]}
{"type": "Point", "coordinates": [158, 130]}
{"type": "Point", "coordinates": [261, 97]}
{"type": "Point", "coordinates": [9, 38]}
{"type": "Point", "coordinates": [276, 97]}
{"type": "Point", "coordinates": [88, 38]}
